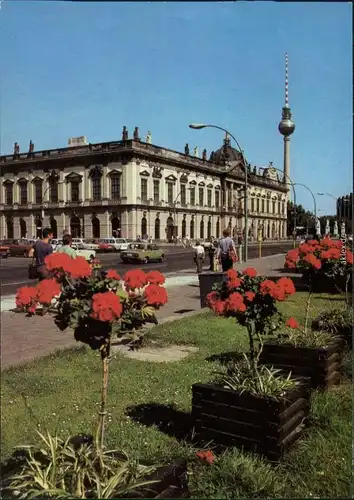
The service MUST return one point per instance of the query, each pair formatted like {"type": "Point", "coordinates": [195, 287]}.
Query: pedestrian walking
{"type": "Point", "coordinates": [226, 252]}
{"type": "Point", "coordinates": [211, 253]}
{"type": "Point", "coordinates": [66, 246]}
{"type": "Point", "coordinates": [39, 252]}
{"type": "Point", "coordinates": [199, 256]}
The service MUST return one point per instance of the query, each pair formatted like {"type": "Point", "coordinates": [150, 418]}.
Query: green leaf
{"type": "Point", "coordinates": [122, 293]}
{"type": "Point", "coordinates": [147, 311]}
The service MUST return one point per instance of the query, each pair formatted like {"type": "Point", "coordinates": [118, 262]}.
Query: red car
{"type": "Point", "coordinates": [18, 248]}
{"type": "Point", "coordinates": [4, 250]}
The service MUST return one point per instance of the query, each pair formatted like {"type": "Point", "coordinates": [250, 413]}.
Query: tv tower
{"type": "Point", "coordinates": [286, 127]}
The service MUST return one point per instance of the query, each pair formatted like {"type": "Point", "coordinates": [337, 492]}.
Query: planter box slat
{"type": "Point", "coordinates": [258, 424]}
{"type": "Point", "coordinates": [316, 363]}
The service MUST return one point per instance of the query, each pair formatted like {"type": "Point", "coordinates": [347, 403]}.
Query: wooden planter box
{"type": "Point", "coordinates": [320, 365]}
{"type": "Point", "coordinates": [207, 280]}
{"type": "Point", "coordinates": [260, 425]}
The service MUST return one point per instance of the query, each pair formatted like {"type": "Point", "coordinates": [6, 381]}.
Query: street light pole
{"type": "Point", "coordinates": [337, 204]}
{"type": "Point", "coordinates": [314, 201]}
{"type": "Point", "coordinates": [198, 126]}
{"type": "Point", "coordinates": [294, 195]}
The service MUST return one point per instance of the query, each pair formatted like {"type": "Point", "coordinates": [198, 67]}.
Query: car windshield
{"type": "Point", "coordinates": [120, 240]}
{"type": "Point", "coordinates": [137, 246]}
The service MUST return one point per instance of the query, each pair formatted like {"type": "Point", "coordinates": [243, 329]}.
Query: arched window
{"type": "Point", "coordinates": [53, 190]}
{"type": "Point", "coordinates": [96, 188]}
{"type": "Point", "coordinates": [23, 191]}
{"type": "Point", "coordinates": [184, 228]}
{"type": "Point", "coordinates": [169, 229]}
{"type": "Point", "coordinates": [191, 230]}
{"type": "Point", "coordinates": [157, 228]}
{"type": "Point", "coordinates": [75, 227]}
{"type": "Point", "coordinates": [95, 227]}
{"type": "Point", "coordinates": [268, 230]}
{"type": "Point", "coordinates": [115, 227]}
{"type": "Point", "coordinates": [23, 228]}
{"type": "Point", "coordinates": [217, 229]}
{"type": "Point", "coordinates": [115, 186]}
{"type": "Point", "coordinates": [38, 196]}
{"type": "Point", "coordinates": [202, 229]}
{"type": "Point", "coordinates": [143, 227]}
{"type": "Point", "coordinates": [209, 230]}
{"type": "Point", "coordinates": [54, 227]}
{"type": "Point", "coordinates": [9, 187]}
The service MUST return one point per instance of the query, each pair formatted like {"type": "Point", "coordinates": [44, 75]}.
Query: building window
{"type": "Point", "coordinates": [38, 194]}
{"type": "Point", "coordinates": [144, 189]}
{"type": "Point", "coordinates": [209, 197]}
{"type": "Point", "coordinates": [192, 196]}
{"type": "Point", "coordinates": [156, 192]}
{"type": "Point", "coordinates": [201, 196]}
{"type": "Point", "coordinates": [75, 191]}
{"type": "Point", "coordinates": [229, 198]}
{"type": "Point", "coordinates": [9, 194]}
{"type": "Point", "coordinates": [273, 207]}
{"type": "Point", "coordinates": [252, 204]}
{"type": "Point", "coordinates": [268, 209]}
{"type": "Point", "coordinates": [263, 206]}
{"type": "Point", "coordinates": [283, 207]}
{"type": "Point", "coordinates": [183, 194]}
{"type": "Point", "coordinates": [279, 207]}
{"type": "Point", "coordinates": [170, 192]}
{"type": "Point", "coordinates": [23, 193]}
{"type": "Point", "coordinates": [53, 191]}
{"type": "Point", "coordinates": [257, 204]}
{"type": "Point", "coordinates": [217, 199]}
{"type": "Point", "coordinates": [115, 187]}
{"type": "Point", "coordinates": [96, 188]}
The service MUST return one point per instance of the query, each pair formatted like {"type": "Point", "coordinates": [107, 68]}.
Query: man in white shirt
{"type": "Point", "coordinates": [199, 256]}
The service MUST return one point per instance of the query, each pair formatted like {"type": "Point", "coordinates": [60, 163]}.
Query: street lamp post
{"type": "Point", "coordinates": [337, 203]}
{"type": "Point", "coordinates": [294, 195]}
{"type": "Point", "coordinates": [314, 201]}
{"type": "Point", "coordinates": [198, 126]}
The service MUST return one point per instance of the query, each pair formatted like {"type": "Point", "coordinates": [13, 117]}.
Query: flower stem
{"type": "Point", "coordinates": [252, 351]}
{"type": "Point", "coordinates": [308, 306]}
{"type": "Point", "coordinates": [105, 356]}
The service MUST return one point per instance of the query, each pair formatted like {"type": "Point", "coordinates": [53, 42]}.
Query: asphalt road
{"type": "Point", "coordinates": [13, 271]}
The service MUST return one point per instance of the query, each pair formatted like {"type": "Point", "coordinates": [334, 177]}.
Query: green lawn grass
{"type": "Point", "coordinates": [63, 392]}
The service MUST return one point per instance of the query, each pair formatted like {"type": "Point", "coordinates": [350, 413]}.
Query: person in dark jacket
{"type": "Point", "coordinates": [39, 252]}
{"type": "Point", "coordinates": [225, 247]}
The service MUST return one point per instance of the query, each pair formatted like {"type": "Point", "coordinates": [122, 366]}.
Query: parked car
{"type": "Point", "coordinates": [18, 248]}
{"type": "Point", "coordinates": [142, 252]}
{"type": "Point", "coordinates": [118, 243]}
{"type": "Point", "coordinates": [4, 251]}
{"type": "Point", "coordinates": [55, 243]}
{"type": "Point", "coordinates": [86, 244]}
{"type": "Point", "coordinates": [105, 245]}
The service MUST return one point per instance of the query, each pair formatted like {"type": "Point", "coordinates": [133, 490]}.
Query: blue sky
{"type": "Point", "coordinates": [71, 69]}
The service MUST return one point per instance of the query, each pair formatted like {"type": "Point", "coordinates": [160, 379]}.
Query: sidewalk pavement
{"type": "Point", "coordinates": [24, 339]}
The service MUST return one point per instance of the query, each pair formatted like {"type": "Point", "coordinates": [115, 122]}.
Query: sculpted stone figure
{"type": "Point", "coordinates": [204, 155]}
{"type": "Point", "coordinates": [125, 134]}
{"type": "Point", "coordinates": [31, 147]}
{"type": "Point", "coordinates": [186, 149]}
{"type": "Point", "coordinates": [196, 152]}
{"type": "Point", "coordinates": [212, 156]}
{"type": "Point", "coordinates": [16, 149]}
{"type": "Point", "coordinates": [255, 170]}
{"type": "Point", "coordinates": [149, 138]}
{"type": "Point", "coordinates": [136, 134]}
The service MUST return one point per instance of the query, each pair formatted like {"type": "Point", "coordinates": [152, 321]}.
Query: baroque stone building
{"type": "Point", "coordinates": [130, 187]}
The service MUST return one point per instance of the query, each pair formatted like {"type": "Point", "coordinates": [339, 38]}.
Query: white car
{"type": "Point", "coordinates": [118, 243]}
{"type": "Point", "coordinates": [82, 252]}
{"type": "Point", "coordinates": [55, 243]}
{"type": "Point", "coordinates": [84, 244]}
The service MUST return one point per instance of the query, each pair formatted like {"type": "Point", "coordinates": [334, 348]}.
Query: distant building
{"type": "Point", "coordinates": [345, 211]}
{"type": "Point", "coordinates": [129, 188]}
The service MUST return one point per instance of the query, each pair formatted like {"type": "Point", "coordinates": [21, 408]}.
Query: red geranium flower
{"type": "Point", "coordinates": [250, 271]}
{"type": "Point", "coordinates": [206, 456]}
{"type": "Point", "coordinates": [26, 296]}
{"type": "Point", "coordinates": [292, 323]}
{"type": "Point", "coordinates": [349, 257]}
{"type": "Point", "coordinates": [267, 287]}
{"type": "Point", "coordinates": [219, 307]}
{"type": "Point", "coordinates": [211, 298]}
{"type": "Point", "coordinates": [155, 295]}
{"type": "Point", "coordinates": [112, 274]}
{"type": "Point", "coordinates": [58, 262]}
{"type": "Point", "coordinates": [106, 306]}
{"type": "Point", "coordinates": [155, 278]}
{"type": "Point", "coordinates": [136, 278]}
{"type": "Point", "coordinates": [313, 261]}
{"type": "Point", "coordinates": [250, 296]}
{"type": "Point", "coordinates": [287, 284]}
{"type": "Point", "coordinates": [46, 291]}
{"type": "Point", "coordinates": [79, 268]}
{"type": "Point", "coordinates": [235, 302]}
